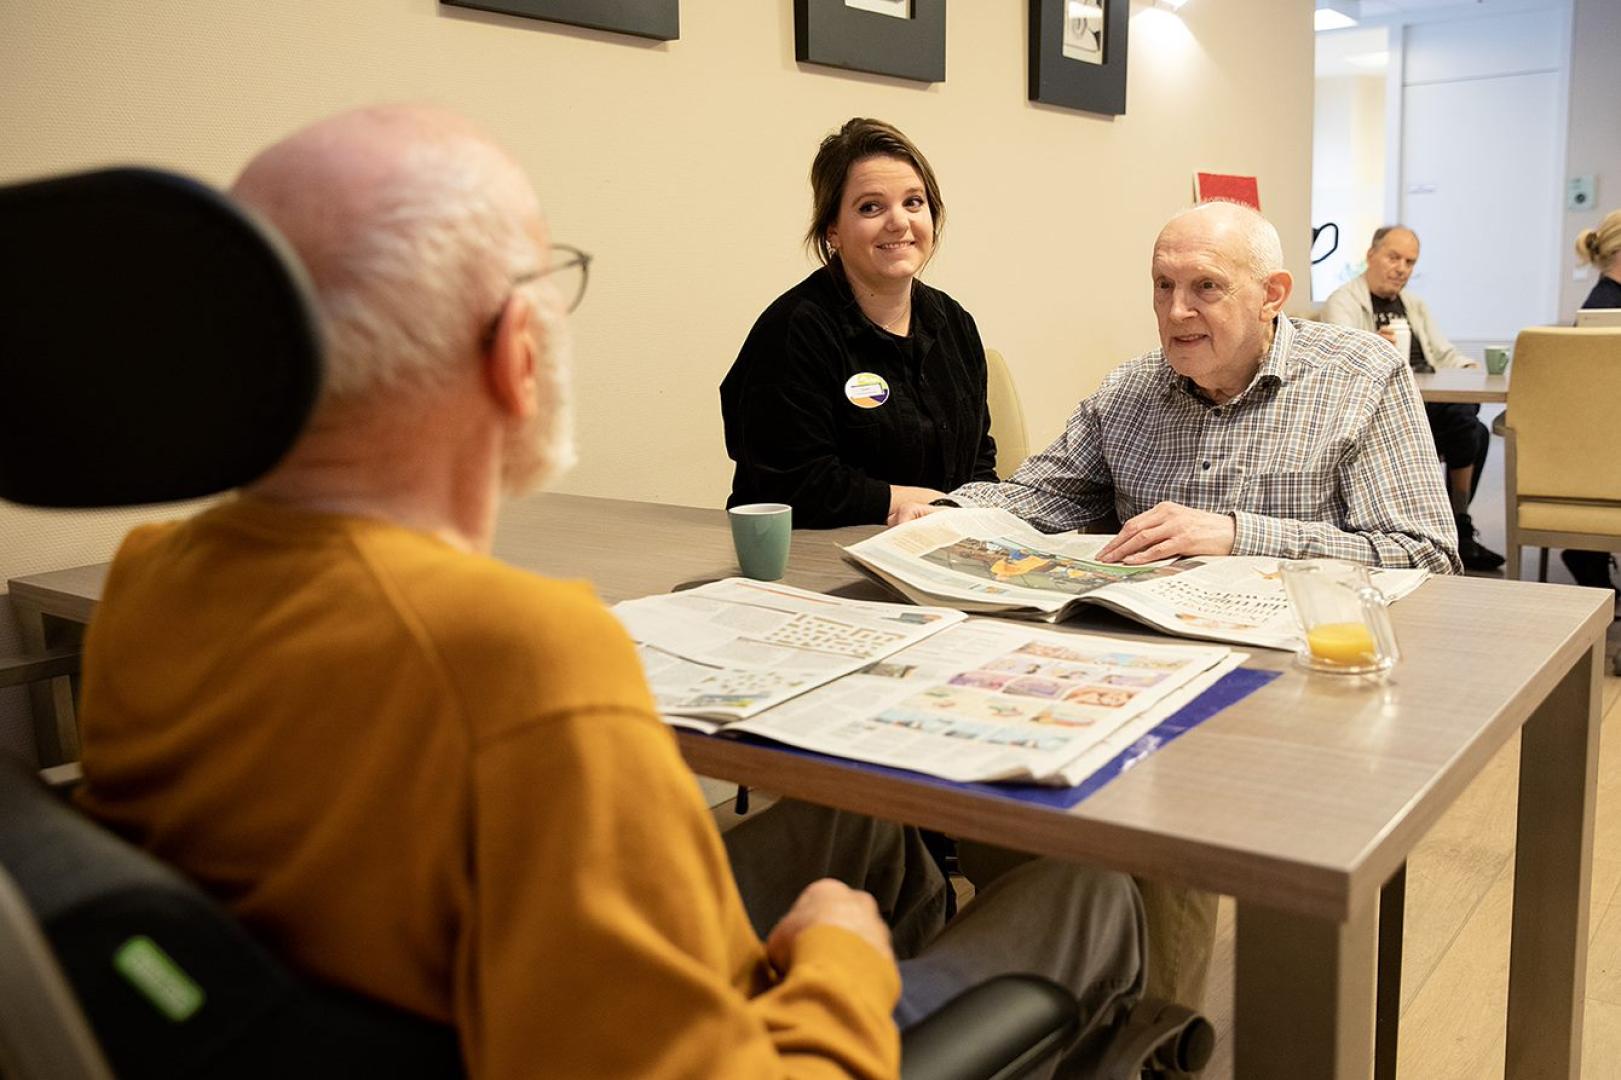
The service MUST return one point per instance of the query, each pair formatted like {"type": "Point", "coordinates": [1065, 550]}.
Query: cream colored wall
{"type": "Point", "coordinates": [1348, 171]}
{"type": "Point", "coordinates": [1593, 147]}
{"type": "Point", "coordinates": [682, 167]}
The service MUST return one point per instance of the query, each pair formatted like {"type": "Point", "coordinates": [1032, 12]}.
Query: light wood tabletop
{"type": "Point", "coordinates": [1300, 800]}
{"type": "Point", "coordinates": [1472, 385]}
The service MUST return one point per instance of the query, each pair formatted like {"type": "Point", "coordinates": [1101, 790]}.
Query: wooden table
{"type": "Point", "coordinates": [1462, 384]}
{"type": "Point", "coordinates": [1300, 800]}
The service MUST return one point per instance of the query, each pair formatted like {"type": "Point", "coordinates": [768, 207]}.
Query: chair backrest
{"type": "Point", "coordinates": [171, 985]}
{"type": "Point", "coordinates": [1007, 415]}
{"type": "Point", "coordinates": [159, 343]}
{"type": "Point", "coordinates": [1562, 398]}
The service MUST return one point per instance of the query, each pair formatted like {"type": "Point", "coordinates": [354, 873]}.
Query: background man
{"type": "Point", "coordinates": [433, 779]}
{"type": "Point", "coordinates": [1245, 433]}
{"type": "Point", "coordinates": [1370, 302]}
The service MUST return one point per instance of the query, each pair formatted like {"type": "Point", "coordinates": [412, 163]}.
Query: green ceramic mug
{"type": "Point", "coordinates": [1496, 359]}
{"type": "Point", "coordinates": [760, 534]}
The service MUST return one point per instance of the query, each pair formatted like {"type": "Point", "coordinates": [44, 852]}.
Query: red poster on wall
{"type": "Point", "coordinates": [1239, 189]}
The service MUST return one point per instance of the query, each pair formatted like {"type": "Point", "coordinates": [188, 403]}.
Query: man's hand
{"type": "Point", "coordinates": [1387, 333]}
{"type": "Point", "coordinates": [1170, 529]}
{"type": "Point", "coordinates": [828, 902]}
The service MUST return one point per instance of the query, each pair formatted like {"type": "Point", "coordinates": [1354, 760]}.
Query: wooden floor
{"type": "Point", "coordinates": [1455, 951]}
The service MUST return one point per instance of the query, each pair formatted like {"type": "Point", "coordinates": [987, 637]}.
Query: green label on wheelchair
{"type": "Point", "coordinates": [159, 979]}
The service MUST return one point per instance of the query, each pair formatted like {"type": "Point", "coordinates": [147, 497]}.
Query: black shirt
{"type": "Point", "coordinates": [1385, 310]}
{"type": "Point", "coordinates": [1606, 294]}
{"type": "Point", "coordinates": [805, 430]}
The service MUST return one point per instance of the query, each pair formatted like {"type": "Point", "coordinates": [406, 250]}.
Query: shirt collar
{"type": "Point", "coordinates": [925, 310]}
{"type": "Point", "coordinates": [1274, 371]}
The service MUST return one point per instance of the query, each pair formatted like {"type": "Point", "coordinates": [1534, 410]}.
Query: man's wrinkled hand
{"type": "Point", "coordinates": [1170, 529]}
{"type": "Point", "coordinates": [828, 902]}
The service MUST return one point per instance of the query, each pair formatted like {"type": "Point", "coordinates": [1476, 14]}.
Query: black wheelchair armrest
{"type": "Point", "coordinates": [998, 1030]}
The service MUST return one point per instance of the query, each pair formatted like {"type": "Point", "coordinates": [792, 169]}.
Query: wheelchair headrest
{"type": "Point", "coordinates": [156, 343]}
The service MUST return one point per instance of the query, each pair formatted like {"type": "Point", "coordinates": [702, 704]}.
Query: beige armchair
{"type": "Point", "coordinates": [1007, 415]}
{"type": "Point", "coordinates": [1562, 442]}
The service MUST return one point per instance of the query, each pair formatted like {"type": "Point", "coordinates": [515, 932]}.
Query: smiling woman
{"type": "Point", "coordinates": [861, 388]}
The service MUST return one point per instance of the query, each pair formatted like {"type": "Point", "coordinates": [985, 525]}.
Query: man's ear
{"type": "Point", "coordinates": [1278, 285]}
{"type": "Point", "coordinates": [509, 363]}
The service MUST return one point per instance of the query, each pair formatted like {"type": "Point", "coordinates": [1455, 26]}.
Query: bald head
{"type": "Point", "coordinates": [1248, 238]}
{"type": "Point", "coordinates": [1219, 285]}
{"type": "Point", "coordinates": [412, 224]}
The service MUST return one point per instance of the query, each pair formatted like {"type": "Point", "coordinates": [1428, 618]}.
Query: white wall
{"type": "Point", "coordinates": [1348, 172]}
{"type": "Point", "coordinates": [1594, 144]}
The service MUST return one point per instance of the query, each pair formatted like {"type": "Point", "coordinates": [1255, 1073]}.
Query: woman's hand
{"type": "Point", "coordinates": [909, 499]}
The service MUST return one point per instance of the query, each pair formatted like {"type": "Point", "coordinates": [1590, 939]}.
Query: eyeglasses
{"type": "Point", "coordinates": [572, 269]}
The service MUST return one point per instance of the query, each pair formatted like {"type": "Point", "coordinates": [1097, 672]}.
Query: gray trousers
{"type": "Point", "coordinates": [1080, 927]}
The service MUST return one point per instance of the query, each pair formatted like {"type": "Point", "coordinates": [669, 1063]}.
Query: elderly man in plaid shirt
{"type": "Point", "coordinates": [1244, 433]}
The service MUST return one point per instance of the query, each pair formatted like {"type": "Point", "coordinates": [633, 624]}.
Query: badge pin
{"type": "Point", "coordinates": [866, 390]}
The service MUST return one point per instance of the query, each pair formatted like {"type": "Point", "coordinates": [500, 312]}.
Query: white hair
{"type": "Point", "coordinates": [408, 295]}
{"type": "Point", "coordinates": [1262, 249]}
{"type": "Point", "coordinates": [412, 226]}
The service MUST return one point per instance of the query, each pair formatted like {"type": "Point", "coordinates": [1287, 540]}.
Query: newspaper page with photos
{"type": "Point", "coordinates": [983, 560]}
{"type": "Point", "coordinates": [733, 648]}
{"type": "Point", "coordinates": [995, 700]}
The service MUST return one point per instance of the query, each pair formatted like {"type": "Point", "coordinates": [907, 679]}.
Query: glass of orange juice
{"type": "Point", "coordinates": [1344, 621]}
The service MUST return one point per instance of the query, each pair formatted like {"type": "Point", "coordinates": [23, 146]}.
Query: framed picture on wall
{"type": "Point", "coordinates": [658, 19]}
{"type": "Point", "coordinates": [1078, 54]}
{"type": "Point", "coordinates": [903, 38]}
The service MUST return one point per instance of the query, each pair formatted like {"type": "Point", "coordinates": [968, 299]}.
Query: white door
{"type": "Point", "coordinates": [1479, 184]}
{"type": "Point", "coordinates": [1480, 171]}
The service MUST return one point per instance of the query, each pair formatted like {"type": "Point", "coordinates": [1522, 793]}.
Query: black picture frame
{"type": "Point", "coordinates": [1056, 79]}
{"type": "Point", "coordinates": [832, 33]}
{"type": "Point", "coordinates": [657, 19]}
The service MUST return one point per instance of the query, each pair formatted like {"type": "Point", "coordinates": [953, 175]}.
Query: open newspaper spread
{"type": "Point", "coordinates": [733, 648]}
{"type": "Point", "coordinates": [965, 700]}
{"type": "Point", "coordinates": [990, 561]}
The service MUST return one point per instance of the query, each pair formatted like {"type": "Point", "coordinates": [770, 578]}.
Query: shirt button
{"type": "Point", "coordinates": [1215, 412]}
{"type": "Point", "coordinates": [1206, 465]}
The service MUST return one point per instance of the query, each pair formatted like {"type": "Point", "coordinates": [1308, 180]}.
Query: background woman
{"type": "Point", "coordinates": [1602, 248]}
{"type": "Point", "coordinates": [861, 388]}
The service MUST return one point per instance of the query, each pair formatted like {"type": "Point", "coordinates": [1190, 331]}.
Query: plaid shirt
{"type": "Point", "coordinates": [1325, 453]}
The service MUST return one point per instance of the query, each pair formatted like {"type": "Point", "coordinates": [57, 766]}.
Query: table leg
{"type": "Point", "coordinates": [1553, 866]}
{"type": "Point", "coordinates": [1387, 1011]}
{"type": "Point", "coordinates": [56, 729]}
{"type": "Point", "coordinates": [1305, 995]}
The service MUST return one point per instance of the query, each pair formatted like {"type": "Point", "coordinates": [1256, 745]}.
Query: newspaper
{"type": "Point", "coordinates": [993, 700]}
{"type": "Point", "coordinates": [990, 561]}
{"type": "Point", "coordinates": [733, 648]}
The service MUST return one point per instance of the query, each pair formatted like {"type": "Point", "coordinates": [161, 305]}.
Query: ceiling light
{"type": "Point", "coordinates": [1170, 5]}
{"type": "Point", "coordinates": [1329, 19]}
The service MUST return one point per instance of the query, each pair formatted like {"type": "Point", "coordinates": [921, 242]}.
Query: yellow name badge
{"type": "Point", "coordinates": [866, 390]}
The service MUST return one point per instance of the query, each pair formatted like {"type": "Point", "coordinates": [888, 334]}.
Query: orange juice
{"type": "Point", "coordinates": [1342, 643]}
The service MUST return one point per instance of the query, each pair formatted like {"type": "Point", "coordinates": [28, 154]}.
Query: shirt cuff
{"type": "Point", "coordinates": [1257, 534]}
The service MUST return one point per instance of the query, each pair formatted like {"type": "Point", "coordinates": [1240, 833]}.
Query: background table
{"type": "Point", "coordinates": [1462, 384]}
{"type": "Point", "coordinates": [1299, 801]}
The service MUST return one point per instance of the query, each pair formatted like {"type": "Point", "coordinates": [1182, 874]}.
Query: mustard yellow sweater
{"type": "Point", "coordinates": [439, 781]}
